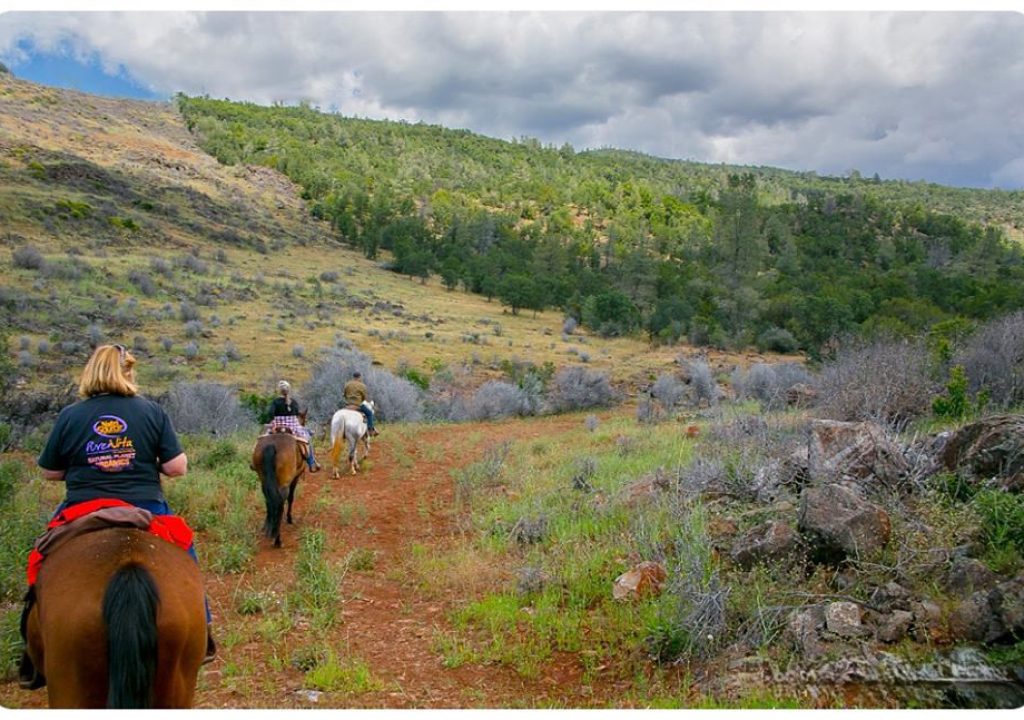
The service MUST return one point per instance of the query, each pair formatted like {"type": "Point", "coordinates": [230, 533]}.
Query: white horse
{"type": "Point", "coordinates": [349, 425]}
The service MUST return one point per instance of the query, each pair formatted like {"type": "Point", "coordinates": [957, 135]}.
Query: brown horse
{"type": "Point", "coordinates": [277, 459]}
{"type": "Point", "coordinates": [118, 622]}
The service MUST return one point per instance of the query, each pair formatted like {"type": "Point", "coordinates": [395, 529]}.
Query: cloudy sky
{"type": "Point", "coordinates": [937, 96]}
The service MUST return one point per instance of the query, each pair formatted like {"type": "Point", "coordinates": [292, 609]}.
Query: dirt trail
{"type": "Point", "coordinates": [406, 491]}
{"type": "Point", "coordinates": [387, 622]}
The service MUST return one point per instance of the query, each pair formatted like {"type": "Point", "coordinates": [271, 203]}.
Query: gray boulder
{"type": "Point", "coordinates": [840, 523]}
{"type": "Point", "coordinates": [859, 451]}
{"type": "Point", "coordinates": [991, 616]}
{"type": "Point", "coordinates": [989, 448]}
{"type": "Point", "coordinates": [766, 542]}
{"type": "Point", "coordinates": [969, 574]}
{"type": "Point", "coordinates": [894, 627]}
{"type": "Point", "coordinates": [803, 631]}
{"type": "Point", "coordinates": [844, 619]}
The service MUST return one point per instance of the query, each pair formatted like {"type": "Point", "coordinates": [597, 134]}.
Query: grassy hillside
{"type": "Point", "coordinates": [119, 228]}
{"type": "Point", "coordinates": [625, 243]}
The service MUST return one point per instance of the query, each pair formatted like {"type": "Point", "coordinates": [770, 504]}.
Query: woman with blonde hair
{"type": "Point", "coordinates": [114, 444]}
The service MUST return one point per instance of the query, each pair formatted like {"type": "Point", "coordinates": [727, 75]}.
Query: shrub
{"type": "Point", "coordinates": [231, 352]}
{"type": "Point", "coordinates": [702, 383]}
{"type": "Point", "coordinates": [993, 358]}
{"type": "Point", "coordinates": [28, 257]}
{"type": "Point", "coordinates": [25, 359]}
{"type": "Point", "coordinates": [769, 383]}
{"type": "Point", "coordinates": [497, 399]}
{"type": "Point", "coordinates": [161, 267]}
{"type": "Point", "coordinates": [396, 398]}
{"type": "Point", "coordinates": [569, 326]}
{"type": "Point", "coordinates": [885, 381]}
{"type": "Point", "coordinates": [298, 351]}
{"type": "Point", "coordinates": [205, 407]}
{"type": "Point", "coordinates": [95, 335]}
{"type": "Point", "coordinates": [192, 350]}
{"type": "Point", "coordinates": [193, 329]}
{"type": "Point", "coordinates": [187, 312]}
{"type": "Point", "coordinates": [329, 276]}
{"type": "Point", "coordinates": [576, 388]}
{"type": "Point", "coordinates": [776, 339]}
{"type": "Point", "coordinates": [591, 422]}
{"type": "Point", "coordinates": [143, 282]}
{"type": "Point", "coordinates": [668, 390]}
{"type": "Point", "coordinates": [43, 347]}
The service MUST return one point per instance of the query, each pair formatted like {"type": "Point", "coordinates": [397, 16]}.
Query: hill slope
{"type": "Point", "coordinates": [119, 228]}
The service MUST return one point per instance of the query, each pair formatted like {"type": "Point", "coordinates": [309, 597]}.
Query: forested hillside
{"type": "Point", "coordinates": [625, 243]}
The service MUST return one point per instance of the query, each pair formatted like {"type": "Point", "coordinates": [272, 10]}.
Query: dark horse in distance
{"type": "Point", "coordinates": [118, 621]}
{"type": "Point", "coordinates": [279, 462]}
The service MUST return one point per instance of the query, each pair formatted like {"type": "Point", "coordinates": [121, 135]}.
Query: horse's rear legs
{"type": "Point", "coordinates": [291, 498]}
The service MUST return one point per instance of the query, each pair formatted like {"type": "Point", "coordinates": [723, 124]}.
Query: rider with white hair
{"type": "Point", "coordinates": [284, 410]}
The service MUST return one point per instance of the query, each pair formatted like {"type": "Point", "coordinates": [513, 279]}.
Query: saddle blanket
{"type": "Point", "coordinates": [289, 423]}
{"type": "Point", "coordinates": [99, 514]}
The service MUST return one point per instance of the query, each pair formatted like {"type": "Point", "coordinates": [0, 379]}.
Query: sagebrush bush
{"type": "Point", "coordinates": [143, 282]}
{"type": "Point", "coordinates": [205, 407]}
{"type": "Point", "coordinates": [396, 398]}
{"type": "Point", "coordinates": [669, 391]}
{"type": "Point", "coordinates": [993, 358]}
{"type": "Point", "coordinates": [28, 257]}
{"type": "Point", "coordinates": [498, 399]}
{"type": "Point", "coordinates": [768, 383]}
{"type": "Point", "coordinates": [575, 388]}
{"type": "Point", "coordinates": [884, 381]}
{"type": "Point", "coordinates": [702, 383]}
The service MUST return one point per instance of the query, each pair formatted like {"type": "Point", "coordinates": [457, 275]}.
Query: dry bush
{"type": "Point", "coordinates": [993, 358]}
{"type": "Point", "coordinates": [205, 407]}
{"type": "Point", "coordinates": [28, 257]}
{"type": "Point", "coordinates": [498, 399]}
{"type": "Point", "coordinates": [885, 381]}
{"type": "Point", "coordinates": [769, 383]}
{"type": "Point", "coordinates": [669, 391]}
{"type": "Point", "coordinates": [702, 383]}
{"type": "Point", "coordinates": [576, 388]}
{"type": "Point", "coordinates": [396, 398]}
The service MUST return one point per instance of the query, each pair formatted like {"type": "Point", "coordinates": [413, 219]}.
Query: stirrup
{"type": "Point", "coordinates": [211, 649]}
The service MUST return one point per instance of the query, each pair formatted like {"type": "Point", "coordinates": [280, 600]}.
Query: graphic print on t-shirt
{"type": "Point", "coordinates": [114, 451]}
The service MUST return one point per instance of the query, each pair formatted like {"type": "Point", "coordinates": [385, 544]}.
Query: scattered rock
{"type": "Point", "coordinates": [969, 574]}
{"type": "Point", "coordinates": [991, 616]}
{"type": "Point", "coordinates": [645, 579]}
{"type": "Point", "coordinates": [841, 523]}
{"type": "Point", "coordinates": [804, 630]}
{"type": "Point", "coordinates": [647, 487]}
{"type": "Point", "coordinates": [843, 619]}
{"type": "Point", "coordinates": [989, 448]}
{"type": "Point", "coordinates": [859, 451]}
{"type": "Point", "coordinates": [927, 620]}
{"type": "Point", "coordinates": [768, 541]}
{"type": "Point", "coordinates": [894, 627]}
{"type": "Point", "coordinates": [892, 596]}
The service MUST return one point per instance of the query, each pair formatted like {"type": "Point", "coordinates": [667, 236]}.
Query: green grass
{"type": "Point", "coordinates": [318, 581]}
{"type": "Point", "coordinates": [351, 675]}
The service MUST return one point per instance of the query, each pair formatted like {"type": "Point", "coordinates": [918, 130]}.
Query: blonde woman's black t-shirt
{"type": "Point", "coordinates": [111, 446]}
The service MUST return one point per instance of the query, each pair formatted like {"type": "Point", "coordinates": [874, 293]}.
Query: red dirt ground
{"type": "Point", "coordinates": [386, 620]}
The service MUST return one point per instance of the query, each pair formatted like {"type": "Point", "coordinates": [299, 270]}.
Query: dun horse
{"type": "Point", "coordinates": [350, 425]}
{"type": "Point", "coordinates": [277, 459]}
{"type": "Point", "coordinates": [118, 622]}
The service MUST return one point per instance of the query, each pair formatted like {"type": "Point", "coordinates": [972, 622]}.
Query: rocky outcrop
{"type": "Point", "coordinates": [838, 522]}
{"type": "Point", "coordinates": [860, 451]}
{"type": "Point", "coordinates": [989, 448]}
{"type": "Point", "coordinates": [991, 616]}
{"type": "Point", "coordinates": [766, 542]}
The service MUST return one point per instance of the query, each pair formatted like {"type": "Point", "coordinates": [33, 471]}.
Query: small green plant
{"type": "Point", "coordinates": [955, 404]}
{"type": "Point", "coordinates": [318, 581]}
{"type": "Point", "coordinates": [361, 559]}
{"type": "Point", "coordinates": [351, 676]}
{"type": "Point", "coordinates": [416, 378]}
{"type": "Point", "coordinates": [1002, 523]}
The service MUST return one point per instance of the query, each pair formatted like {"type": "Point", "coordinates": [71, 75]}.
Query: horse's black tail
{"type": "Point", "coordinates": [272, 492]}
{"type": "Point", "coordinates": [129, 610]}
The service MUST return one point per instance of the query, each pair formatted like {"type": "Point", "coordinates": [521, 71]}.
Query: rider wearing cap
{"type": "Point", "coordinates": [356, 394]}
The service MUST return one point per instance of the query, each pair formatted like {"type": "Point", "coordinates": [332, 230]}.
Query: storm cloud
{"type": "Point", "coordinates": [911, 95]}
